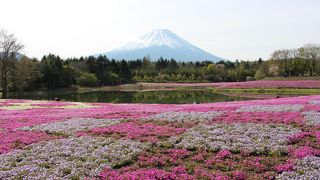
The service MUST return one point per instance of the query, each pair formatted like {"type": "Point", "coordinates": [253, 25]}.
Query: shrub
{"type": "Point", "coordinates": [259, 75]}
{"type": "Point", "coordinates": [87, 79]}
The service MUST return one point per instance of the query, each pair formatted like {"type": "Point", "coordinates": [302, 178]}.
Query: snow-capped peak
{"type": "Point", "coordinates": [161, 43]}
{"type": "Point", "coordinates": [157, 37]}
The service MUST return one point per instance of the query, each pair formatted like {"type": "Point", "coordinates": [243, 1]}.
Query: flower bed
{"type": "Point", "coordinates": [253, 138]}
{"type": "Point", "coordinates": [72, 125]}
{"type": "Point", "coordinates": [67, 158]}
{"type": "Point", "coordinates": [307, 168]}
{"type": "Point", "coordinates": [261, 139]}
{"type": "Point", "coordinates": [248, 84]}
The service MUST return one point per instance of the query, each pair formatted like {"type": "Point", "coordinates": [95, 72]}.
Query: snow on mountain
{"type": "Point", "coordinates": [161, 43]}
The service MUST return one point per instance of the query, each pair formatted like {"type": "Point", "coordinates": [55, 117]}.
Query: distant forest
{"type": "Point", "coordinates": [53, 72]}
{"type": "Point", "coordinates": [19, 73]}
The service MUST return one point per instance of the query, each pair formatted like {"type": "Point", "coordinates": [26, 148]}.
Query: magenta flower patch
{"type": "Point", "coordinates": [139, 131]}
{"type": "Point", "coordinates": [258, 139]}
{"type": "Point", "coordinates": [18, 139]}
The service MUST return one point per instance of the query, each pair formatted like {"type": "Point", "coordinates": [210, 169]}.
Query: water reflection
{"type": "Point", "coordinates": [159, 97]}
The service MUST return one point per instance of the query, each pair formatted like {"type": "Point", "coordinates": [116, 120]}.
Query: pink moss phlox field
{"type": "Point", "coordinates": [272, 84]}
{"type": "Point", "coordinates": [17, 139]}
{"type": "Point", "coordinates": [239, 175]}
{"type": "Point", "coordinates": [177, 153]}
{"type": "Point", "coordinates": [317, 134]}
{"type": "Point", "coordinates": [249, 84]}
{"type": "Point", "coordinates": [310, 107]}
{"type": "Point", "coordinates": [9, 102]}
{"type": "Point", "coordinates": [17, 118]}
{"type": "Point", "coordinates": [168, 157]}
{"type": "Point", "coordinates": [270, 139]}
{"type": "Point", "coordinates": [223, 154]}
{"type": "Point", "coordinates": [299, 136]}
{"type": "Point", "coordinates": [260, 117]}
{"type": "Point", "coordinates": [288, 166]}
{"type": "Point", "coordinates": [52, 104]}
{"type": "Point", "coordinates": [139, 131]}
{"type": "Point", "coordinates": [178, 172]}
{"type": "Point", "coordinates": [303, 151]}
{"type": "Point", "coordinates": [147, 174]}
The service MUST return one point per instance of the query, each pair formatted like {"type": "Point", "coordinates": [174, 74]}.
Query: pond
{"type": "Point", "coordinates": [150, 97]}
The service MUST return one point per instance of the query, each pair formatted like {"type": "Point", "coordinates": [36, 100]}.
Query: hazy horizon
{"type": "Point", "coordinates": [230, 29]}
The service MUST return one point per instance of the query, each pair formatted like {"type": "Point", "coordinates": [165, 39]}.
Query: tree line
{"type": "Point", "coordinates": [20, 73]}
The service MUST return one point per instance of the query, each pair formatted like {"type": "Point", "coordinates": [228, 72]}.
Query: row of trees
{"type": "Point", "coordinates": [297, 62]}
{"type": "Point", "coordinates": [19, 73]}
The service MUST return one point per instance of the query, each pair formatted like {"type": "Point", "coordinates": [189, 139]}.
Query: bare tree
{"type": "Point", "coordinates": [280, 55]}
{"type": "Point", "coordinates": [9, 48]}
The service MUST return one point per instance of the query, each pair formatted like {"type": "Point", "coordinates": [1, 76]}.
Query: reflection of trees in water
{"type": "Point", "coordinates": [181, 97]}
{"type": "Point", "coordinates": [169, 97]}
{"type": "Point", "coordinates": [105, 96]}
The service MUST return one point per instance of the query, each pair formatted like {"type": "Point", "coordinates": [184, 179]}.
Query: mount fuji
{"type": "Point", "coordinates": [161, 43]}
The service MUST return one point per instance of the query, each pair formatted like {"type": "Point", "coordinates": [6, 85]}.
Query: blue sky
{"type": "Point", "coordinates": [232, 29]}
